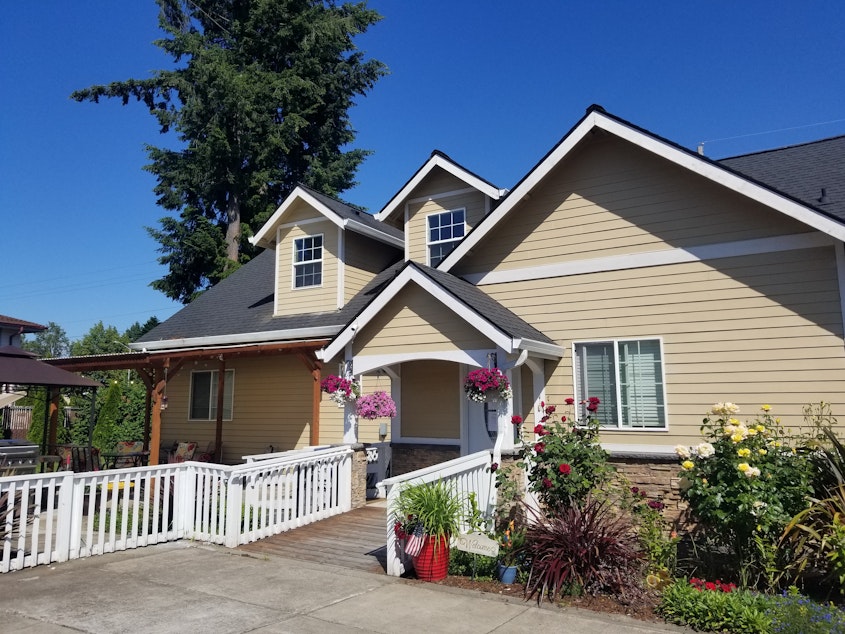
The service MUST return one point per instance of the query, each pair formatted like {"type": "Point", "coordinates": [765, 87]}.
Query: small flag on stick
{"type": "Point", "coordinates": [415, 541]}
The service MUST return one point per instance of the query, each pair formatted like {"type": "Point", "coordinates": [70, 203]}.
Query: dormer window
{"type": "Point", "coordinates": [308, 261]}
{"type": "Point", "coordinates": [445, 231]}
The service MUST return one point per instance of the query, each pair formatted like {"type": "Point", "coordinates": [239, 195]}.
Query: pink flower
{"type": "Point", "coordinates": [564, 468]}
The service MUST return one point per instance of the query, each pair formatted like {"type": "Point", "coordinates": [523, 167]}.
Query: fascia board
{"type": "Point", "coordinates": [548, 350]}
{"type": "Point", "coordinates": [423, 172]}
{"type": "Point", "coordinates": [659, 147]}
{"type": "Point", "coordinates": [263, 235]}
{"type": "Point", "coordinates": [381, 236]}
{"type": "Point", "coordinates": [411, 274]}
{"type": "Point", "coordinates": [236, 339]}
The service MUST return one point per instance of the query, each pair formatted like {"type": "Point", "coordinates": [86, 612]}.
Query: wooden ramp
{"type": "Point", "coordinates": [354, 540]}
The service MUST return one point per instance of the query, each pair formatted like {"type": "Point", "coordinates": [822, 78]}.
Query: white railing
{"type": "Point", "coordinates": [59, 516]}
{"type": "Point", "coordinates": [470, 474]}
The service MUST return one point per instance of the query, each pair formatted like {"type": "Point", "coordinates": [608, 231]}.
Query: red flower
{"type": "Point", "coordinates": [710, 585]}
{"type": "Point", "coordinates": [516, 420]}
{"type": "Point", "coordinates": [540, 430]}
{"type": "Point", "coordinates": [493, 467]}
{"type": "Point", "coordinates": [563, 419]}
{"type": "Point", "coordinates": [564, 469]}
{"type": "Point", "coordinates": [592, 407]}
{"type": "Point", "coordinates": [570, 401]}
{"type": "Point", "coordinates": [594, 400]}
{"type": "Point", "coordinates": [540, 447]}
{"type": "Point", "coordinates": [550, 410]}
{"type": "Point", "coordinates": [547, 483]}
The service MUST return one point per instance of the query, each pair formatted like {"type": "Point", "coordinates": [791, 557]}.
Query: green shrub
{"type": "Point", "coordinates": [463, 564]}
{"type": "Point", "coordinates": [567, 462]}
{"type": "Point", "coordinates": [736, 611]}
{"type": "Point", "coordinates": [744, 483]}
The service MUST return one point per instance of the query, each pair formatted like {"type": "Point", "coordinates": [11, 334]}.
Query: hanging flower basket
{"type": "Point", "coordinates": [482, 383]}
{"type": "Point", "coordinates": [340, 390]}
{"type": "Point", "coordinates": [376, 405]}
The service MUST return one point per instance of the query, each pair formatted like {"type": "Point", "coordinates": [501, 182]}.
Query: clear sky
{"type": "Point", "coordinates": [493, 84]}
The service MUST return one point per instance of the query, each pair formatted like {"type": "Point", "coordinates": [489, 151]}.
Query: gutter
{"type": "Point", "coordinates": [269, 336]}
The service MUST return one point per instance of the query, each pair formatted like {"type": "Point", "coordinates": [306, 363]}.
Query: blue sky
{"type": "Point", "coordinates": [493, 84]}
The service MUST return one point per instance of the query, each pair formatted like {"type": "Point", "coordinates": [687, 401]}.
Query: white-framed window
{"type": "Point", "coordinates": [308, 261]}
{"type": "Point", "coordinates": [445, 230]}
{"type": "Point", "coordinates": [627, 376]}
{"type": "Point", "coordinates": [203, 397]}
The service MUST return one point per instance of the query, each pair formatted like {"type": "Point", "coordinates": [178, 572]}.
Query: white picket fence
{"type": "Point", "coordinates": [469, 474]}
{"type": "Point", "coordinates": [54, 517]}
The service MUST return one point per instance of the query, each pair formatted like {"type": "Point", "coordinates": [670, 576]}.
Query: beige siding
{"type": "Point", "coordinates": [415, 322]}
{"type": "Point", "coordinates": [368, 430]}
{"type": "Point", "coordinates": [364, 259]}
{"type": "Point", "coordinates": [611, 198]}
{"type": "Point", "coordinates": [752, 330]}
{"type": "Point", "coordinates": [431, 400]}
{"type": "Point", "coordinates": [271, 406]}
{"type": "Point", "coordinates": [322, 298]}
{"type": "Point", "coordinates": [417, 232]}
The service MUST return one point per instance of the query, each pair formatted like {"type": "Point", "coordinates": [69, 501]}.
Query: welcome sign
{"type": "Point", "coordinates": [476, 543]}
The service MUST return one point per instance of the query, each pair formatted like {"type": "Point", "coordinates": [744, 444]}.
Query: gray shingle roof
{"type": "Point", "coordinates": [801, 171]}
{"type": "Point", "coordinates": [349, 212]}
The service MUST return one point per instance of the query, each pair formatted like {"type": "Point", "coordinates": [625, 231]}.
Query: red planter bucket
{"type": "Point", "coordinates": [432, 564]}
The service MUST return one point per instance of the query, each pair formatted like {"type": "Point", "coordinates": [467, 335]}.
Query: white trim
{"type": "Point", "coordinates": [656, 258]}
{"type": "Point", "coordinates": [449, 194]}
{"type": "Point", "coordinates": [341, 268]}
{"type": "Point", "coordinates": [367, 363]}
{"type": "Point", "coordinates": [278, 258]}
{"type": "Point", "coordinates": [412, 274]}
{"type": "Point", "coordinates": [302, 335]}
{"type": "Point", "coordinates": [692, 162]}
{"type": "Point", "coordinates": [294, 263]}
{"type": "Point", "coordinates": [626, 449]}
{"type": "Point", "coordinates": [407, 230]}
{"type": "Point", "coordinates": [615, 341]}
{"type": "Point", "coordinates": [366, 230]}
{"type": "Point", "coordinates": [540, 348]}
{"type": "Point", "coordinates": [437, 161]}
{"type": "Point", "coordinates": [839, 249]}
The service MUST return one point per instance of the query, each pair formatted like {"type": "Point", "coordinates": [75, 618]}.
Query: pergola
{"type": "Point", "coordinates": [157, 368]}
{"type": "Point", "coordinates": [20, 368]}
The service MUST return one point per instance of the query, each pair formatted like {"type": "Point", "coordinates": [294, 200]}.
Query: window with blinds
{"type": "Point", "coordinates": [203, 397]}
{"type": "Point", "coordinates": [627, 376]}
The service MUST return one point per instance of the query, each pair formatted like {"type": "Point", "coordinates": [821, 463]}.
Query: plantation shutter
{"type": "Point", "coordinates": [596, 372]}
{"type": "Point", "coordinates": [641, 384]}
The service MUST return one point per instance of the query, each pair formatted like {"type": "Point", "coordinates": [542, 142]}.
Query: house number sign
{"type": "Point", "coordinates": [476, 543]}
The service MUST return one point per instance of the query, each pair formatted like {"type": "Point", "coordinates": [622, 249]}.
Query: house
{"type": "Point", "coordinates": [621, 266]}
{"type": "Point", "coordinates": [11, 330]}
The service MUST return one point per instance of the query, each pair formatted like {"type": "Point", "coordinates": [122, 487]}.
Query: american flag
{"type": "Point", "coordinates": [415, 541]}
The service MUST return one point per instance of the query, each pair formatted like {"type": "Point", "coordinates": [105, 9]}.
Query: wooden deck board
{"type": "Point", "coordinates": [353, 540]}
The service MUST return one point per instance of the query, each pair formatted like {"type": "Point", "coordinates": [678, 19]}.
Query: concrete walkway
{"type": "Point", "coordinates": [187, 587]}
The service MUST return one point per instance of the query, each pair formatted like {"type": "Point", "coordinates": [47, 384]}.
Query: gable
{"type": "Point", "coordinates": [414, 322]}
{"type": "Point", "coordinates": [610, 198]}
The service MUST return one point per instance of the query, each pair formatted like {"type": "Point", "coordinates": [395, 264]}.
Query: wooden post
{"type": "Point", "coordinates": [218, 434]}
{"type": "Point", "coordinates": [54, 420]}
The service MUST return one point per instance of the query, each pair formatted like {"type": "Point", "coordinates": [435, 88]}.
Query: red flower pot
{"type": "Point", "coordinates": [432, 564]}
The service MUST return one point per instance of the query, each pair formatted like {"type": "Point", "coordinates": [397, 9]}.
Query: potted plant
{"type": "Point", "coordinates": [510, 541]}
{"type": "Point", "coordinates": [429, 513]}
{"type": "Point", "coordinates": [481, 383]}
{"type": "Point", "coordinates": [340, 389]}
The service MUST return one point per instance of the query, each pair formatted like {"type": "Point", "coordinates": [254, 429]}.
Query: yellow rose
{"type": "Point", "coordinates": [687, 464]}
{"type": "Point", "coordinates": [737, 437]}
{"type": "Point", "coordinates": [762, 452]}
{"type": "Point", "coordinates": [766, 408]}
{"type": "Point", "coordinates": [743, 466]}
{"type": "Point", "coordinates": [744, 452]}
{"type": "Point", "coordinates": [760, 428]}
{"type": "Point", "coordinates": [752, 431]}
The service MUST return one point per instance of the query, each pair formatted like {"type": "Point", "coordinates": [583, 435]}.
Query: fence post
{"type": "Point", "coordinates": [183, 503]}
{"type": "Point", "coordinates": [234, 501]}
{"type": "Point", "coordinates": [345, 482]}
{"type": "Point", "coordinates": [66, 517]}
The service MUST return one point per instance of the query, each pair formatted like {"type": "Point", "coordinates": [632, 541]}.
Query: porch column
{"type": "Point", "coordinates": [395, 374]}
{"type": "Point", "coordinates": [504, 412]}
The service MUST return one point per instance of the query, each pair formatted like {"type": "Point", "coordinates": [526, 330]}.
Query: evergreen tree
{"type": "Point", "coordinates": [259, 98]}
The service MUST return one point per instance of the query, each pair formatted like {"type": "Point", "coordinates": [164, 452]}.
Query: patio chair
{"type": "Point", "coordinates": [128, 453]}
{"type": "Point", "coordinates": [84, 458]}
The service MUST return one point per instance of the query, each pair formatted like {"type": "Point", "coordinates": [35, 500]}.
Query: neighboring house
{"type": "Point", "coordinates": [621, 266]}
{"type": "Point", "coordinates": [11, 330]}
